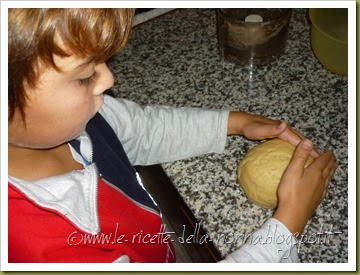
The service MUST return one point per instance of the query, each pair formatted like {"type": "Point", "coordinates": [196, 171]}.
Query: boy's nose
{"type": "Point", "coordinates": [105, 80]}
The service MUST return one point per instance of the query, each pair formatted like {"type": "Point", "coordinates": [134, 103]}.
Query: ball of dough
{"type": "Point", "coordinates": [259, 173]}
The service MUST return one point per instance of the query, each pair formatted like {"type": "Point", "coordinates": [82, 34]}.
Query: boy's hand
{"type": "Point", "coordinates": [255, 127]}
{"type": "Point", "coordinates": [302, 189]}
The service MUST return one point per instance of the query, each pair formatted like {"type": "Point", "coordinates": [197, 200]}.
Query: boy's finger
{"type": "Point", "coordinates": [328, 180]}
{"type": "Point", "coordinates": [315, 153]}
{"type": "Point", "coordinates": [281, 127]}
{"type": "Point", "coordinates": [324, 160]}
{"type": "Point", "coordinates": [300, 156]}
{"type": "Point", "coordinates": [329, 167]}
{"type": "Point", "coordinates": [330, 176]}
{"type": "Point", "coordinates": [274, 130]}
{"type": "Point", "coordinates": [294, 137]}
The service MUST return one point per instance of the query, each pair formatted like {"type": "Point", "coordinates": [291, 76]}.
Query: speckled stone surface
{"type": "Point", "coordinates": [173, 60]}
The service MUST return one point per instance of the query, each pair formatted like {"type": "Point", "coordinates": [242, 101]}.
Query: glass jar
{"type": "Point", "coordinates": [252, 36]}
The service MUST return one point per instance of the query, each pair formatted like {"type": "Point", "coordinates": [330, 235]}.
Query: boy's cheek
{"type": "Point", "coordinates": [98, 103]}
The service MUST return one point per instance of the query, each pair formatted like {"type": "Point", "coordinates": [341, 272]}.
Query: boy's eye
{"type": "Point", "coordinates": [89, 80]}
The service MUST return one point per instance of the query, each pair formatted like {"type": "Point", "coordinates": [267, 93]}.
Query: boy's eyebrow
{"type": "Point", "coordinates": [83, 65]}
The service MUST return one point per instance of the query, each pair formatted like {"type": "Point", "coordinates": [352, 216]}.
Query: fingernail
{"type": "Point", "coordinates": [307, 144]}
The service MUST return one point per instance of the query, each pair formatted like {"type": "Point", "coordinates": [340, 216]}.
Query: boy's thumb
{"type": "Point", "coordinates": [301, 155]}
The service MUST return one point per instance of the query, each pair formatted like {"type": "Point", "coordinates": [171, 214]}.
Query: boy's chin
{"type": "Point", "coordinates": [99, 104]}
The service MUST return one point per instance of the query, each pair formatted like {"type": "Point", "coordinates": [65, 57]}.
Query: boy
{"type": "Point", "coordinates": [73, 193]}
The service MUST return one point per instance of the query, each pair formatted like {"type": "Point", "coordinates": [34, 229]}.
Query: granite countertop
{"type": "Point", "coordinates": [173, 60]}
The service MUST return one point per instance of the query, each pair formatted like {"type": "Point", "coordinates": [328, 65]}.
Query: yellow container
{"type": "Point", "coordinates": [329, 38]}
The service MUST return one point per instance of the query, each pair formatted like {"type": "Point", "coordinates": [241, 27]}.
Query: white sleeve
{"type": "Point", "coordinates": [272, 243]}
{"type": "Point", "coordinates": [157, 134]}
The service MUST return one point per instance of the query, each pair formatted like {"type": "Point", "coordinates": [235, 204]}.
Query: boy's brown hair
{"type": "Point", "coordinates": [36, 35]}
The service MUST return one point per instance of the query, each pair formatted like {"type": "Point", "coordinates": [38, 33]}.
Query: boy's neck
{"type": "Point", "coordinates": [34, 164]}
